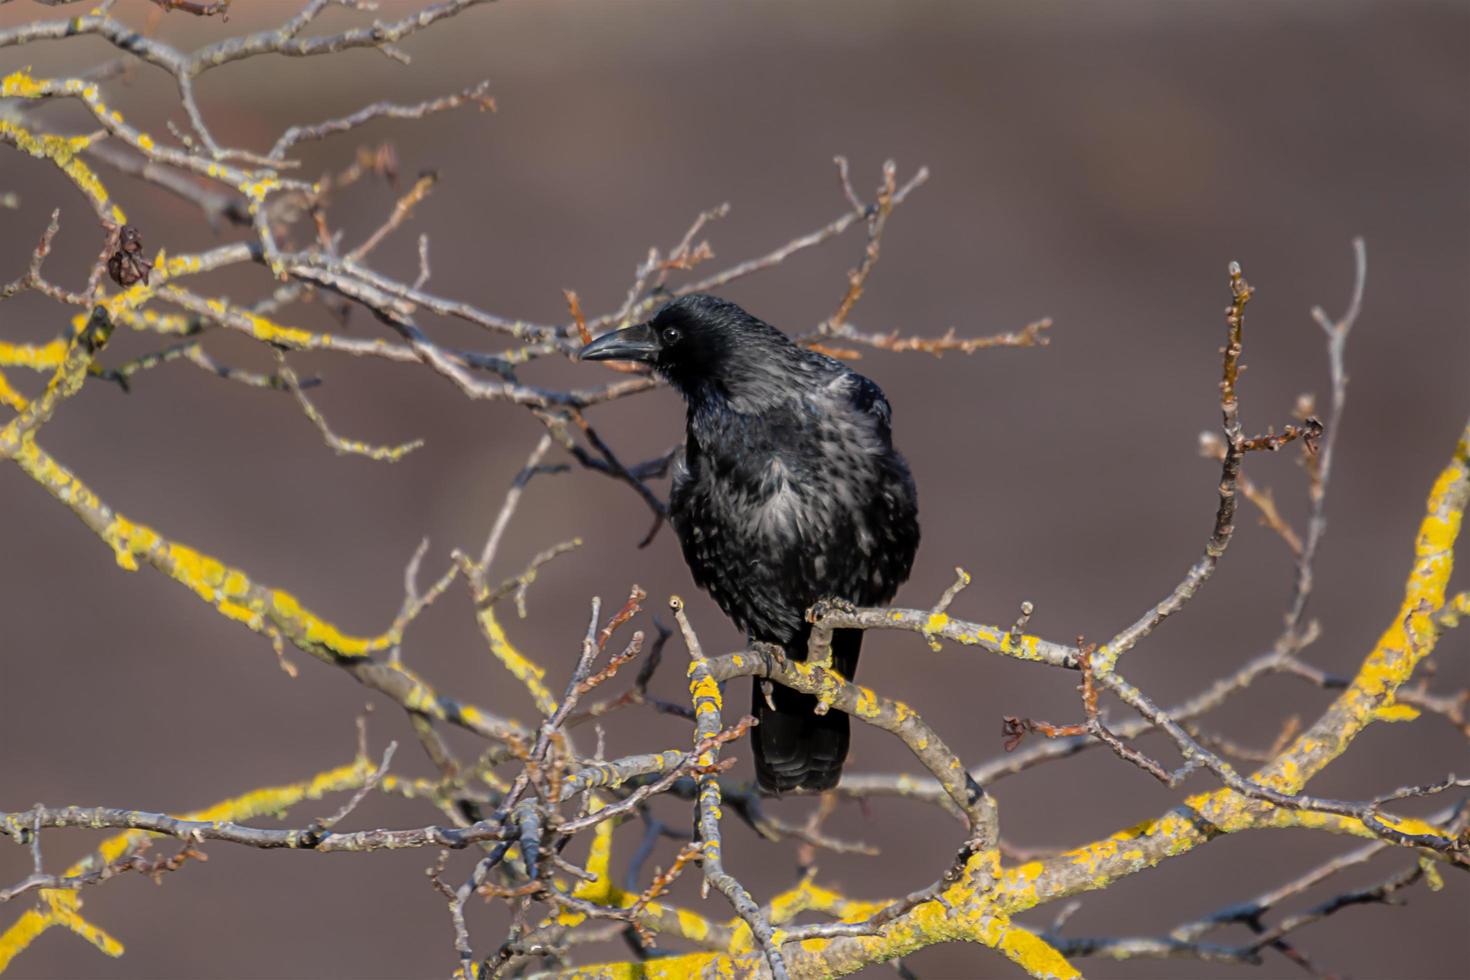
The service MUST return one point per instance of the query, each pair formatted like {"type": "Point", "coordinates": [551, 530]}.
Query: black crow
{"type": "Point", "coordinates": [789, 491]}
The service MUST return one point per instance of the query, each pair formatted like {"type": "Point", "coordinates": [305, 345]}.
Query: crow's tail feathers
{"type": "Point", "coordinates": [796, 749]}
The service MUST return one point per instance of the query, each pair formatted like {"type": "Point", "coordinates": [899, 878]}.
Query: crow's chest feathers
{"type": "Point", "coordinates": [776, 511]}
{"type": "Point", "coordinates": [768, 477]}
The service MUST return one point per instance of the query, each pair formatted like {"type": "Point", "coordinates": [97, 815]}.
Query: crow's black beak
{"type": "Point", "coordinates": [635, 343]}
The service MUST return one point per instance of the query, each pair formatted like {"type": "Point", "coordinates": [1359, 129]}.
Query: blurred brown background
{"type": "Point", "coordinates": [1096, 164]}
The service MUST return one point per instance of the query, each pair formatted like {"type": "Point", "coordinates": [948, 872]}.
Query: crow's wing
{"type": "Point", "coordinates": [868, 399]}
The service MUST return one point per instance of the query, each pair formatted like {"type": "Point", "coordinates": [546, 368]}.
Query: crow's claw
{"type": "Point", "coordinates": [824, 607]}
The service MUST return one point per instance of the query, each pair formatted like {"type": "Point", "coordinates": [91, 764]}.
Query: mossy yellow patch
{"type": "Point", "coordinates": [11, 398]}
{"type": "Point", "coordinates": [36, 357]}
{"type": "Point", "coordinates": [1395, 712]}
{"type": "Point", "coordinates": [63, 152]}
{"type": "Point", "coordinates": [521, 667]}
{"type": "Point", "coordinates": [62, 904]}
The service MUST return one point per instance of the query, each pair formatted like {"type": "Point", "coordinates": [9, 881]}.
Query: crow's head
{"type": "Point", "coordinates": [701, 344]}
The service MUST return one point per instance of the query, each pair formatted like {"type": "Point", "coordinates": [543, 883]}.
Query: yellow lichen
{"type": "Point", "coordinates": [37, 357]}
{"type": "Point", "coordinates": [1395, 712]}
{"type": "Point", "coordinates": [521, 667]}
{"type": "Point", "coordinates": [63, 152]}
{"type": "Point", "coordinates": [60, 906]}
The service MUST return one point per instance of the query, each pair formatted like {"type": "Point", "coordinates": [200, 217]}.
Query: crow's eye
{"type": "Point", "coordinates": [671, 335]}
